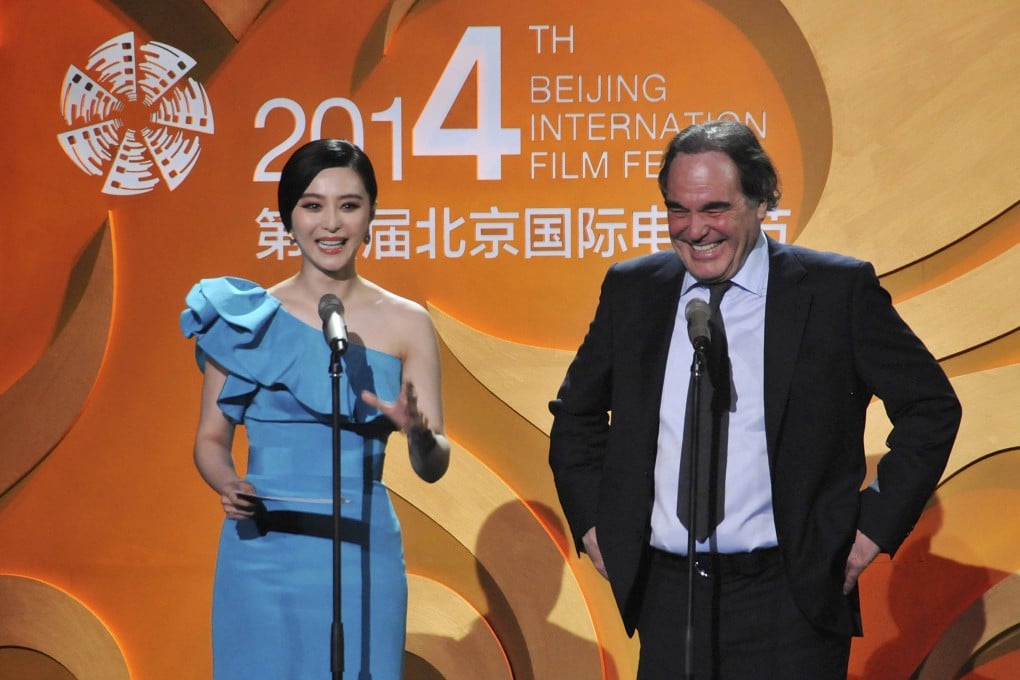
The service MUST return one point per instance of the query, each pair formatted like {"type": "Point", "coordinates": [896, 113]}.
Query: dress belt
{"type": "Point", "coordinates": [722, 564]}
{"type": "Point", "coordinates": [309, 524]}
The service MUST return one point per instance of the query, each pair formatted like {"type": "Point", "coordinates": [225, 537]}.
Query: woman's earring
{"type": "Point", "coordinates": [291, 237]}
{"type": "Point", "coordinates": [368, 239]}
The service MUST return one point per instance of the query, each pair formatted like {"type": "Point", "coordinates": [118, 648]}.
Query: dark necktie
{"type": "Point", "coordinates": [715, 398]}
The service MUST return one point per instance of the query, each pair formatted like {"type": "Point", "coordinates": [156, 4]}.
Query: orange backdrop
{"type": "Point", "coordinates": [516, 148]}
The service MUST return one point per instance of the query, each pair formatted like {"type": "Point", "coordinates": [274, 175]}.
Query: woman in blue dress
{"type": "Point", "coordinates": [266, 366]}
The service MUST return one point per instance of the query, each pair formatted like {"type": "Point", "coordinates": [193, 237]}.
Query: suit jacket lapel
{"type": "Point", "coordinates": [786, 310]}
{"type": "Point", "coordinates": [661, 310]}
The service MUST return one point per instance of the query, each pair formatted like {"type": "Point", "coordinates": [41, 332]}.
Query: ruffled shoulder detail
{"type": "Point", "coordinates": [243, 305]}
{"type": "Point", "coordinates": [260, 345]}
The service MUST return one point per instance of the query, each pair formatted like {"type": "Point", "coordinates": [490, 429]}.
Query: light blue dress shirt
{"type": "Point", "coordinates": [748, 522]}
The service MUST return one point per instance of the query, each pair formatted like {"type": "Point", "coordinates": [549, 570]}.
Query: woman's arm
{"type": "Point", "coordinates": [418, 411]}
{"type": "Point", "coordinates": [213, 440]}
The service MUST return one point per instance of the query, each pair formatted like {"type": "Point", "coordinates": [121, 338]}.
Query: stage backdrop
{"type": "Point", "coordinates": [516, 146]}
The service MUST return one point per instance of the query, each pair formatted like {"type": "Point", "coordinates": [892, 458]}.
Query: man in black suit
{"type": "Point", "coordinates": [811, 338]}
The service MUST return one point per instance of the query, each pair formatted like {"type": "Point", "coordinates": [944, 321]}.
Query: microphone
{"type": "Point", "coordinates": [697, 315]}
{"type": "Point", "coordinates": [334, 328]}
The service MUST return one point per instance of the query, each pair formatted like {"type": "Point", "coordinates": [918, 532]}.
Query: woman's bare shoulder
{"type": "Point", "coordinates": [400, 309]}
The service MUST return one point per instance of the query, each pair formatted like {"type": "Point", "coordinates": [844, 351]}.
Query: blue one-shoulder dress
{"type": "Point", "coordinates": [273, 593]}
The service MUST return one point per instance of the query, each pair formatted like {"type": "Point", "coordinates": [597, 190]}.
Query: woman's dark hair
{"type": "Point", "coordinates": [311, 159]}
{"type": "Point", "coordinates": [758, 179]}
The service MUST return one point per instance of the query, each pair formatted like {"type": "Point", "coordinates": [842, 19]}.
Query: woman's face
{"type": "Point", "coordinates": [331, 220]}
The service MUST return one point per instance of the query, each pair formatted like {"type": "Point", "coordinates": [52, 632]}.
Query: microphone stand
{"type": "Point", "coordinates": [697, 372]}
{"type": "Point", "coordinates": [337, 349]}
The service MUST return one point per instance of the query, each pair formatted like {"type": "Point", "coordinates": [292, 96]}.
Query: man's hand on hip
{"type": "Point", "coordinates": [591, 546]}
{"type": "Point", "coordinates": [863, 553]}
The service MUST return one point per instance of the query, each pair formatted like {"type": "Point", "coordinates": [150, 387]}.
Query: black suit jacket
{"type": "Point", "coordinates": [832, 341]}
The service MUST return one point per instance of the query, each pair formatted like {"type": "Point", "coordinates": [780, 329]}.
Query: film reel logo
{"type": "Point", "coordinates": [138, 116]}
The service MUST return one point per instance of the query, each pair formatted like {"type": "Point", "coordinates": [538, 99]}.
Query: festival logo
{"type": "Point", "coordinates": [136, 116]}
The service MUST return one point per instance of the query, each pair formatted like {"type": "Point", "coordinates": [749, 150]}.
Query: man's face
{"type": "Point", "coordinates": [711, 225]}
